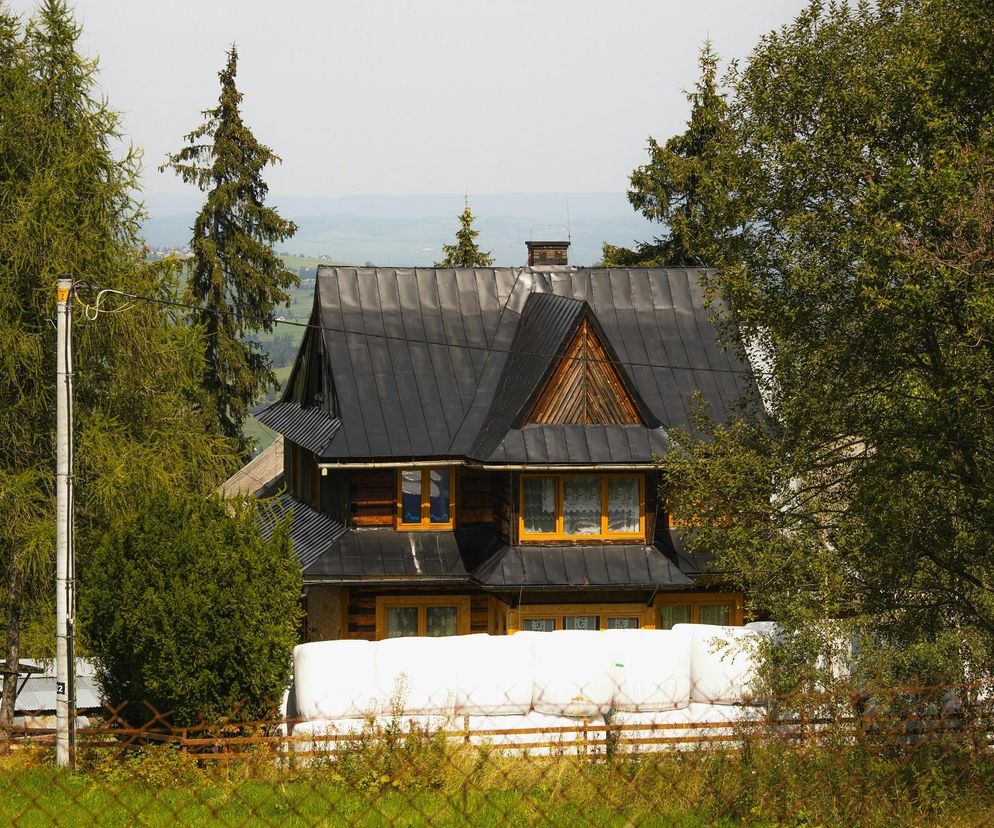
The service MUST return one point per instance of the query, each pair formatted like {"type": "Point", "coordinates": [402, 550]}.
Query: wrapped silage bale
{"type": "Point", "coordinates": [335, 680]}
{"type": "Point", "coordinates": [651, 669]}
{"type": "Point", "coordinates": [722, 662]}
{"type": "Point", "coordinates": [419, 676]}
{"type": "Point", "coordinates": [538, 734]}
{"type": "Point", "coordinates": [574, 673]}
{"type": "Point", "coordinates": [497, 675]}
{"type": "Point", "coordinates": [695, 726]}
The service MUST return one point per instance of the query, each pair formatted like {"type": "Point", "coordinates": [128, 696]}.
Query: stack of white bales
{"type": "Point", "coordinates": [546, 683]}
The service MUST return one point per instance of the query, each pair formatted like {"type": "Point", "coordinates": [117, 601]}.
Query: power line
{"type": "Point", "coordinates": [272, 320]}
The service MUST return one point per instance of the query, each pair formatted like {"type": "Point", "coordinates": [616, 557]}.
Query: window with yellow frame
{"type": "Point", "coordinates": [432, 616]}
{"type": "Point", "coordinates": [723, 609]}
{"type": "Point", "coordinates": [425, 498]}
{"type": "Point", "coordinates": [552, 617]}
{"type": "Point", "coordinates": [581, 506]}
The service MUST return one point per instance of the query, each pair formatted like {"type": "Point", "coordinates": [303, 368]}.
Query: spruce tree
{"type": "Point", "coordinates": [237, 279]}
{"type": "Point", "coordinates": [67, 207]}
{"type": "Point", "coordinates": [684, 185]}
{"type": "Point", "coordinates": [465, 252]}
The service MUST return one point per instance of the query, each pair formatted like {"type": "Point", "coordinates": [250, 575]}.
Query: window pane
{"type": "Point", "coordinates": [540, 504]}
{"type": "Point", "coordinates": [441, 621]}
{"type": "Point", "coordinates": [539, 624]}
{"type": "Point", "coordinates": [581, 505]}
{"type": "Point", "coordinates": [713, 614]}
{"type": "Point", "coordinates": [402, 621]}
{"type": "Point", "coordinates": [410, 487]}
{"type": "Point", "coordinates": [439, 496]}
{"type": "Point", "coordinates": [622, 623]}
{"type": "Point", "coordinates": [581, 622]}
{"type": "Point", "coordinates": [623, 504]}
{"type": "Point", "coordinates": [670, 614]}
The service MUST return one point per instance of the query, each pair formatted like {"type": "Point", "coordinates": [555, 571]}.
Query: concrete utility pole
{"type": "Point", "coordinates": [65, 672]}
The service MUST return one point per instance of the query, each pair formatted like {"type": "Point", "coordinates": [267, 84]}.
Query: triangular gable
{"type": "Point", "coordinates": [586, 387]}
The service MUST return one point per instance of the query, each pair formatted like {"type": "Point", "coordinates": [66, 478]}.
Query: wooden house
{"type": "Point", "coordinates": [473, 450]}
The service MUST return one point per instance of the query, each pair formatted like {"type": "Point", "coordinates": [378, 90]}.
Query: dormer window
{"type": "Point", "coordinates": [425, 498]}
{"type": "Point", "coordinates": [582, 506]}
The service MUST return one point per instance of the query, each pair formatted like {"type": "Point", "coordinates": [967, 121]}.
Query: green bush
{"type": "Point", "coordinates": [189, 612]}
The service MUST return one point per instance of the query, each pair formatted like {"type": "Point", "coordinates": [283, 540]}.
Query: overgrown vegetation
{"type": "Point", "coordinates": [422, 781]}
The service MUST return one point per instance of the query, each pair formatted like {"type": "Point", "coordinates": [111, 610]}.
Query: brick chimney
{"type": "Point", "coordinates": [547, 253]}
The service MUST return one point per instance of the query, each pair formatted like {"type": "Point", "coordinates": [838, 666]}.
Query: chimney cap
{"type": "Point", "coordinates": [547, 252]}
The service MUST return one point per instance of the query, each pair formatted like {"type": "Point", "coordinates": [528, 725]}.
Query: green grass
{"type": "Point", "coordinates": [43, 796]}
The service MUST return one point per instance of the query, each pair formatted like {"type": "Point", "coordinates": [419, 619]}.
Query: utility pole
{"type": "Point", "coordinates": [65, 668]}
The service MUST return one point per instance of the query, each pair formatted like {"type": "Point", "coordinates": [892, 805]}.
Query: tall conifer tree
{"type": "Point", "coordinates": [465, 252]}
{"type": "Point", "coordinates": [684, 185]}
{"type": "Point", "coordinates": [237, 279]}
{"type": "Point", "coordinates": [67, 207]}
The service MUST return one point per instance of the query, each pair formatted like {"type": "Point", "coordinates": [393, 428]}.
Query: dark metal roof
{"type": "Point", "coordinates": [311, 533]}
{"type": "Point", "coordinates": [438, 362]}
{"type": "Point", "coordinates": [311, 427]}
{"type": "Point", "coordinates": [379, 554]}
{"type": "Point", "coordinates": [580, 444]}
{"type": "Point", "coordinates": [606, 566]}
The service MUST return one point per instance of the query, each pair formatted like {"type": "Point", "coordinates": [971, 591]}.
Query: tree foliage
{"type": "Point", "coordinates": [465, 252]}
{"type": "Point", "coordinates": [687, 183]}
{"type": "Point", "coordinates": [67, 207]}
{"type": "Point", "coordinates": [237, 279]}
{"type": "Point", "coordinates": [863, 273]}
{"type": "Point", "coordinates": [189, 610]}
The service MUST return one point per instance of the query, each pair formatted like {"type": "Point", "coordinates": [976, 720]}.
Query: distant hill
{"type": "Point", "coordinates": [410, 230]}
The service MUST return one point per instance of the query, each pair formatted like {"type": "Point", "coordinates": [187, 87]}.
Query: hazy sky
{"type": "Point", "coordinates": [422, 96]}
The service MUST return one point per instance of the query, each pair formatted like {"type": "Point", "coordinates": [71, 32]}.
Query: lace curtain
{"type": "Point", "coordinates": [623, 504]}
{"type": "Point", "coordinates": [581, 505]}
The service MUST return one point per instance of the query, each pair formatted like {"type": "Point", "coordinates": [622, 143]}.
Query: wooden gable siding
{"type": "Point", "coordinates": [585, 388]}
{"type": "Point", "coordinates": [362, 609]}
{"type": "Point", "coordinates": [373, 493]}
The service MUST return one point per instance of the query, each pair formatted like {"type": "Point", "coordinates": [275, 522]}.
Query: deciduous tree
{"type": "Point", "coordinates": [864, 275]}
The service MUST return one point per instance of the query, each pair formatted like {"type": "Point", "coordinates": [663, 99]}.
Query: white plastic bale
{"type": "Point", "coordinates": [497, 675]}
{"type": "Point", "coordinates": [419, 676]}
{"type": "Point", "coordinates": [651, 669]}
{"type": "Point", "coordinates": [574, 673]}
{"type": "Point", "coordinates": [335, 679]}
{"type": "Point", "coordinates": [695, 726]}
{"type": "Point", "coordinates": [537, 734]}
{"type": "Point", "coordinates": [723, 667]}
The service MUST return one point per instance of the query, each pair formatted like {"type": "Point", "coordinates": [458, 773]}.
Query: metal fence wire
{"type": "Point", "coordinates": [895, 756]}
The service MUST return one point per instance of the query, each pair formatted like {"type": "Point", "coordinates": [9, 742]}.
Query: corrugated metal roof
{"type": "Point", "coordinates": [311, 532]}
{"type": "Point", "coordinates": [593, 566]}
{"type": "Point", "coordinates": [580, 444]}
{"type": "Point", "coordinates": [38, 692]}
{"type": "Point", "coordinates": [308, 426]}
{"type": "Point", "coordinates": [379, 554]}
{"type": "Point", "coordinates": [438, 363]}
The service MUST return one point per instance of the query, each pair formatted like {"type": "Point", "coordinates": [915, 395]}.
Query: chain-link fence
{"type": "Point", "coordinates": [376, 735]}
